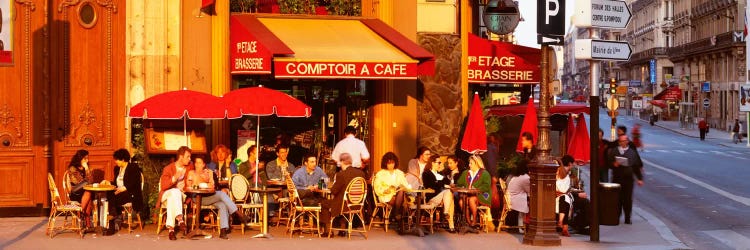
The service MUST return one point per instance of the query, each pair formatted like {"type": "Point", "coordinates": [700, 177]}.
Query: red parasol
{"type": "Point", "coordinates": [260, 101]}
{"type": "Point", "coordinates": [570, 131]}
{"type": "Point", "coordinates": [183, 104]}
{"type": "Point", "coordinates": [530, 124]}
{"type": "Point", "coordinates": [475, 133]}
{"type": "Point", "coordinates": [579, 147]}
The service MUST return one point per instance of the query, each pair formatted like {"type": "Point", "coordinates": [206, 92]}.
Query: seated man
{"type": "Point", "coordinates": [332, 208]}
{"type": "Point", "coordinates": [173, 182]}
{"type": "Point", "coordinates": [306, 180]}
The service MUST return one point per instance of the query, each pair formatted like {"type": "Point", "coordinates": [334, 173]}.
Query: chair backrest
{"type": "Point", "coordinates": [238, 187]}
{"type": "Point", "coordinates": [290, 187]}
{"type": "Point", "coordinates": [506, 194]}
{"type": "Point", "coordinates": [54, 194]}
{"type": "Point", "coordinates": [375, 195]}
{"type": "Point", "coordinates": [356, 193]}
{"type": "Point", "coordinates": [66, 185]}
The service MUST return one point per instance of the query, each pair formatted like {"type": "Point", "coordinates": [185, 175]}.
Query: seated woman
{"type": "Point", "coordinates": [475, 177]}
{"type": "Point", "coordinates": [220, 200]}
{"type": "Point", "coordinates": [221, 162]}
{"type": "Point", "coordinates": [432, 179]}
{"type": "Point", "coordinates": [519, 188]}
{"type": "Point", "coordinates": [389, 184]}
{"type": "Point", "coordinates": [79, 175]}
{"type": "Point", "coordinates": [128, 182]}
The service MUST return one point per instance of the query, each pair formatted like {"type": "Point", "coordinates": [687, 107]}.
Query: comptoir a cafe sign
{"type": "Point", "coordinates": [356, 70]}
{"type": "Point", "coordinates": [496, 62]}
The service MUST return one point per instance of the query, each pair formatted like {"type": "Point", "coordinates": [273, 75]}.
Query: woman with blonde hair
{"type": "Point", "coordinates": [221, 162]}
{"type": "Point", "coordinates": [476, 177]}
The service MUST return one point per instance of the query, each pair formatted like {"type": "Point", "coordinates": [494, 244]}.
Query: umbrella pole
{"type": "Point", "coordinates": [257, 150]}
{"type": "Point", "coordinates": [184, 131]}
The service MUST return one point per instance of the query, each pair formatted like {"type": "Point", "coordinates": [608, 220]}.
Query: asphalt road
{"type": "Point", "coordinates": [700, 189]}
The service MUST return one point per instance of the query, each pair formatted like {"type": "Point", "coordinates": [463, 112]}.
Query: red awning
{"type": "Point", "coordinates": [672, 93]}
{"type": "Point", "coordinates": [207, 3]}
{"type": "Point", "coordinates": [520, 109]}
{"type": "Point", "coordinates": [499, 62]}
{"type": "Point", "coordinates": [320, 47]}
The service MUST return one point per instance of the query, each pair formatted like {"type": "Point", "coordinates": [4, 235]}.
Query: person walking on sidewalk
{"type": "Point", "coordinates": [636, 132]}
{"type": "Point", "coordinates": [703, 127]}
{"type": "Point", "coordinates": [626, 163]}
{"type": "Point", "coordinates": [736, 136]}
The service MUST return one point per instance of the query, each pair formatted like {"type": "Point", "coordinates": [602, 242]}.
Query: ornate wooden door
{"type": "Point", "coordinates": [88, 51]}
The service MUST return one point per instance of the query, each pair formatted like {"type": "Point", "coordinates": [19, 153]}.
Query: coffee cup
{"type": "Point", "coordinates": [96, 184]}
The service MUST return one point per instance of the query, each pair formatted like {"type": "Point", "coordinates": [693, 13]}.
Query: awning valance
{"type": "Point", "coordinates": [520, 109]}
{"type": "Point", "coordinates": [500, 62]}
{"type": "Point", "coordinates": [672, 93]}
{"type": "Point", "coordinates": [335, 47]}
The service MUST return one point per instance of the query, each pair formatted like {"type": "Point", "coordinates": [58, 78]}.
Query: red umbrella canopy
{"type": "Point", "coordinates": [183, 104]}
{"type": "Point", "coordinates": [475, 133]}
{"type": "Point", "coordinates": [570, 130]}
{"type": "Point", "coordinates": [530, 124]}
{"type": "Point", "coordinates": [579, 147]}
{"type": "Point", "coordinates": [260, 101]}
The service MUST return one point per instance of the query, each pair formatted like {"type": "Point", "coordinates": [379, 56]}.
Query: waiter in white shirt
{"type": "Point", "coordinates": [353, 146]}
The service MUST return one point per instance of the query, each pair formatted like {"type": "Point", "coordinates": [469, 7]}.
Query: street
{"type": "Point", "coordinates": [699, 189]}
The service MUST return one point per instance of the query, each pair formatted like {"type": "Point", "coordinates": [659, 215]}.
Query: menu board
{"type": "Point", "coordinates": [167, 141]}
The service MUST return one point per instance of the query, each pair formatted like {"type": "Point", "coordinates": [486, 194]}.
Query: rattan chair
{"type": "Point", "coordinates": [238, 185]}
{"type": "Point", "coordinates": [127, 210]}
{"type": "Point", "coordinates": [506, 208]}
{"type": "Point", "coordinates": [385, 210]}
{"type": "Point", "coordinates": [429, 210]}
{"type": "Point", "coordinates": [354, 200]}
{"type": "Point", "coordinates": [60, 208]}
{"type": "Point", "coordinates": [300, 211]}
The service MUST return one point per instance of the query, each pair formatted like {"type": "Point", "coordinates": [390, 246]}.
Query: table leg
{"type": "Point", "coordinates": [464, 224]}
{"type": "Point", "coordinates": [196, 231]}
{"type": "Point", "coordinates": [264, 226]}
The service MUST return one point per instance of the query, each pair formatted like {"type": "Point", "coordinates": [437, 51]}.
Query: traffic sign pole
{"type": "Point", "coordinates": [594, 135]}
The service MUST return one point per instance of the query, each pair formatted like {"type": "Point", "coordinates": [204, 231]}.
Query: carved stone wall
{"type": "Point", "coordinates": [439, 113]}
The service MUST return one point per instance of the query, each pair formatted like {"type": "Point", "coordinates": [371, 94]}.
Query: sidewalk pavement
{"type": "Point", "coordinates": [715, 136]}
{"type": "Point", "coordinates": [646, 232]}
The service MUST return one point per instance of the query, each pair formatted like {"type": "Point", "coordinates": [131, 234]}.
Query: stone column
{"type": "Point", "coordinates": [220, 79]}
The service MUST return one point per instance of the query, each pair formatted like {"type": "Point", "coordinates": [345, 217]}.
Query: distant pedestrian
{"type": "Point", "coordinates": [737, 137]}
{"type": "Point", "coordinates": [626, 163]}
{"type": "Point", "coordinates": [604, 165]}
{"type": "Point", "coordinates": [703, 127]}
{"type": "Point", "coordinates": [636, 132]}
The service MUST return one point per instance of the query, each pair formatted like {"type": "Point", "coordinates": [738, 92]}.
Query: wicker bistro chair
{"type": "Point", "coordinates": [429, 210]}
{"type": "Point", "coordinates": [300, 211]}
{"type": "Point", "coordinates": [238, 185]}
{"type": "Point", "coordinates": [213, 217]}
{"type": "Point", "coordinates": [66, 188]}
{"type": "Point", "coordinates": [162, 216]}
{"type": "Point", "coordinates": [128, 211]}
{"type": "Point", "coordinates": [506, 208]}
{"type": "Point", "coordinates": [354, 201]}
{"type": "Point", "coordinates": [385, 210]}
{"type": "Point", "coordinates": [59, 208]}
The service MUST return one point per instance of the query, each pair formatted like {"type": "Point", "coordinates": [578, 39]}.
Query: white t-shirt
{"type": "Point", "coordinates": [355, 147]}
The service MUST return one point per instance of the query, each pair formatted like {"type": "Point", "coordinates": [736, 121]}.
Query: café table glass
{"type": "Point", "coordinates": [264, 191]}
{"type": "Point", "coordinates": [197, 194]}
{"type": "Point", "coordinates": [465, 193]}
{"type": "Point", "coordinates": [101, 208]}
{"type": "Point", "coordinates": [418, 230]}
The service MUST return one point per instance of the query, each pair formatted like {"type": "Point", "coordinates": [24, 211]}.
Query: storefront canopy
{"type": "Point", "coordinates": [520, 109]}
{"type": "Point", "coordinates": [672, 93]}
{"type": "Point", "coordinates": [500, 62]}
{"type": "Point", "coordinates": [324, 47]}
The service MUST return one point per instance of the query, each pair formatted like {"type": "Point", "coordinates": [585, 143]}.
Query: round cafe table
{"type": "Point", "coordinates": [197, 195]}
{"type": "Point", "coordinates": [263, 191]}
{"type": "Point", "coordinates": [100, 205]}
{"type": "Point", "coordinates": [465, 193]}
{"type": "Point", "coordinates": [418, 230]}
{"type": "Point", "coordinates": [326, 192]}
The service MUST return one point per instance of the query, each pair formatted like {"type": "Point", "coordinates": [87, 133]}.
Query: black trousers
{"type": "Point", "coordinates": [703, 134]}
{"type": "Point", "coordinates": [624, 177]}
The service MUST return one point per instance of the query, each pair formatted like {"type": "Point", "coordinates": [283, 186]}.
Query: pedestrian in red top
{"type": "Point", "coordinates": [636, 132]}
{"type": "Point", "coordinates": [703, 127]}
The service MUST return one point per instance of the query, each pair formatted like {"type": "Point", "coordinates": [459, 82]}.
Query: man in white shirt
{"type": "Point", "coordinates": [353, 146]}
{"type": "Point", "coordinates": [416, 166]}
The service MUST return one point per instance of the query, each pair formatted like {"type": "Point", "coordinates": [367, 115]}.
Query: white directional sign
{"type": "Point", "coordinates": [602, 50]}
{"type": "Point", "coordinates": [602, 14]}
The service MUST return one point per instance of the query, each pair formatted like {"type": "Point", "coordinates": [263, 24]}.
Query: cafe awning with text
{"type": "Point", "coordinates": [500, 62]}
{"type": "Point", "coordinates": [292, 47]}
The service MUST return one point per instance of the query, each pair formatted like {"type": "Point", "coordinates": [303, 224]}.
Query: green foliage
{"type": "Point", "coordinates": [151, 167]}
{"type": "Point", "coordinates": [243, 6]}
{"type": "Point", "coordinates": [507, 166]}
{"type": "Point", "coordinates": [297, 6]}
{"type": "Point", "coordinates": [492, 123]}
{"type": "Point", "coordinates": [344, 7]}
